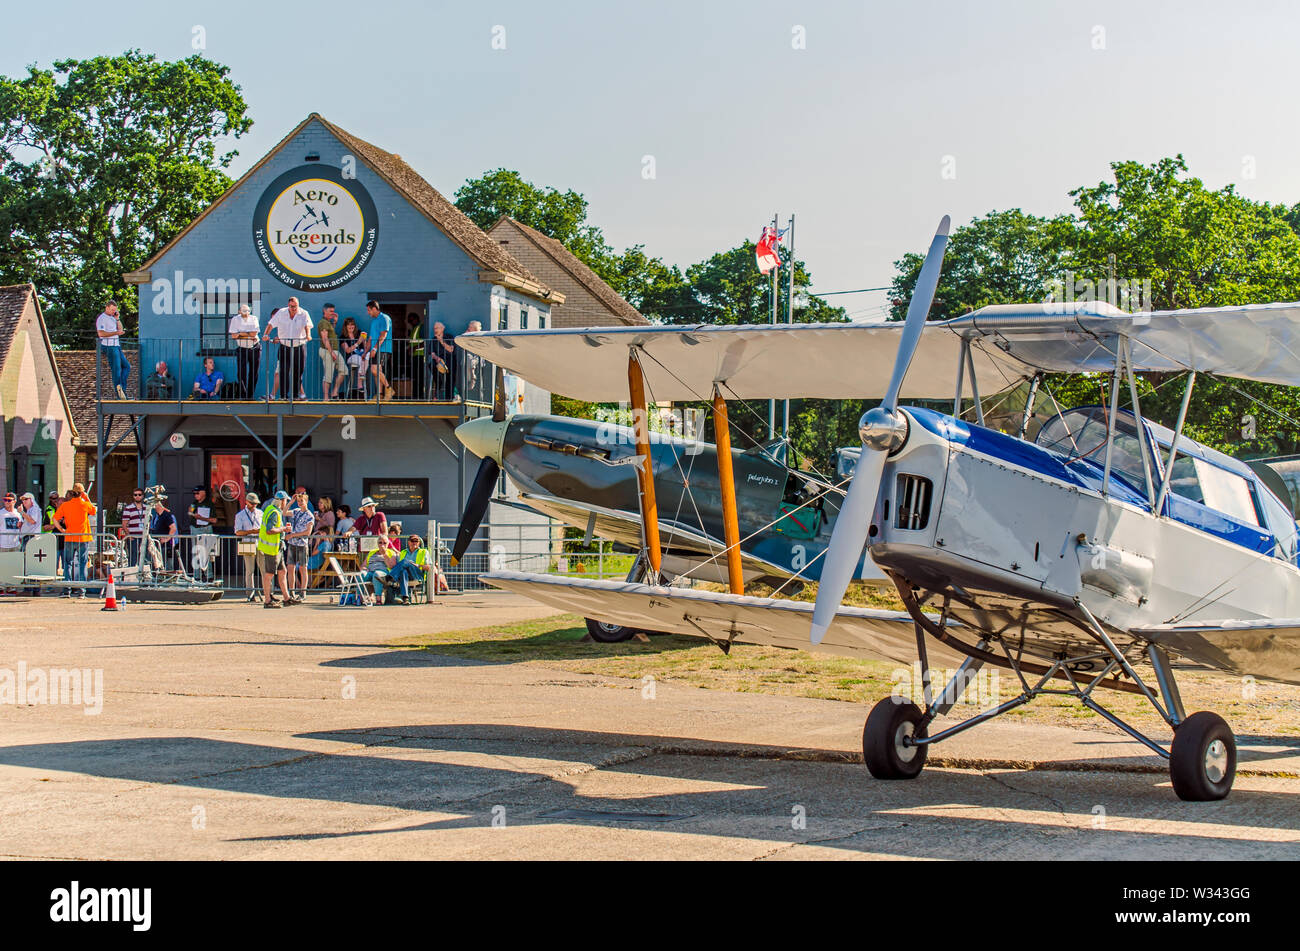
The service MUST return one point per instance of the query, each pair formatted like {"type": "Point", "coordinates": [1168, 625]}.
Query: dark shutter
{"type": "Point", "coordinates": [320, 471]}
{"type": "Point", "coordinates": [179, 471]}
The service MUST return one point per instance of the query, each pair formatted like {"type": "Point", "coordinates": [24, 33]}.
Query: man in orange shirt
{"type": "Point", "coordinates": [73, 519]}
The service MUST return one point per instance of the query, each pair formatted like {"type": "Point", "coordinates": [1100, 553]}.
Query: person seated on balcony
{"type": "Point", "coordinates": [208, 384]}
{"type": "Point", "coordinates": [160, 385]}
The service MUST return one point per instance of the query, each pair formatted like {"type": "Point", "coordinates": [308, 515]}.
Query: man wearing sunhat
{"type": "Point", "coordinates": [269, 543]}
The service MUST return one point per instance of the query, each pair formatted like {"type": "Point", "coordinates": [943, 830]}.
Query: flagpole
{"type": "Point", "coordinates": [785, 419]}
{"type": "Point", "coordinates": [771, 403]}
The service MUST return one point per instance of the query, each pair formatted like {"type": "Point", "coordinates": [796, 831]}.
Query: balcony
{"type": "Point", "coordinates": [461, 387]}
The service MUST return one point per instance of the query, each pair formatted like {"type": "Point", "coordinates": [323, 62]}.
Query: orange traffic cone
{"type": "Point", "coordinates": [110, 595]}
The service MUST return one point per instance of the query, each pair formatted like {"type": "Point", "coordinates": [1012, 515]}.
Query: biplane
{"type": "Point", "coordinates": [1103, 544]}
{"type": "Point", "coordinates": [583, 473]}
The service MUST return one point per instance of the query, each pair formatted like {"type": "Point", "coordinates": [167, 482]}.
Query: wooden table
{"type": "Point", "coordinates": [348, 561]}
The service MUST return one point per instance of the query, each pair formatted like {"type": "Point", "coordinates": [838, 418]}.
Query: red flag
{"type": "Point", "coordinates": [765, 252]}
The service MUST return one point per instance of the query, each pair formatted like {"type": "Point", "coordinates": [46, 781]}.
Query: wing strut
{"type": "Point", "coordinates": [645, 474]}
{"type": "Point", "coordinates": [727, 485]}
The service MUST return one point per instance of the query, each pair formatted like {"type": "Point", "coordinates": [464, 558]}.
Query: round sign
{"type": "Point", "coordinates": [177, 440]}
{"type": "Point", "coordinates": [314, 229]}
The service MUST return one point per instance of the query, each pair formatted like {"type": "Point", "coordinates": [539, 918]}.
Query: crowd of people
{"type": "Point", "coordinates": [284, 543]}
{"type": "Point", "coordinates": [371, 356]}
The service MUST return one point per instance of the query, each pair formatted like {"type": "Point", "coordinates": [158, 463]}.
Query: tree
{"type": "Point", "coordinates": [1147, 226]}
{"type": "Point", "coordinates": [101, 162]}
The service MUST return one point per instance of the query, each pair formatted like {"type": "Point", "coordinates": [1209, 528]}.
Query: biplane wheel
{"type": "Point", "coordinates": [882, 740]}
{"type": "Point", "coordinates": [608, 633]}
{"type": "Point", "coordinates": [1203, 758]}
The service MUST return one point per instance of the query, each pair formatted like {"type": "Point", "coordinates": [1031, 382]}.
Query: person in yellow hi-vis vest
{"type": "Point", "coordinates": [412, 565]}
{"type": "Point", "coordinates": [270, 557]}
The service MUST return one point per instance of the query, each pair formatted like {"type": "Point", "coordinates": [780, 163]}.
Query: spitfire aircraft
{"type": "Point", "coordinates": [1103, 544]}
{"type": "Point", "coordinates": [584, 473]}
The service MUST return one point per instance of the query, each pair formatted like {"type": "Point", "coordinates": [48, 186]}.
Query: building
{"type": "Point", "coordinates": [588, 300]}
{"type": "Point", "coordinates": [329, 218]}
{"type": "Point", "coordinates": [36, 452]}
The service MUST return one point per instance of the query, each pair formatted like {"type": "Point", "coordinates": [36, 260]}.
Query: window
{"type": "Point", "coordinates": [1214, 488]}
{"type": "Point", "coordinates": [214, 319]}
{"type": "Point", "coordinates": [503, 315]}
{"type": "Point", "coordinates": [523, 317]}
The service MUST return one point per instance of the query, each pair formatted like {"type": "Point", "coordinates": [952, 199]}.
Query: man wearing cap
{"type": "Point", "coordinates": [73, 520]}
{"type": "Point", "coordinates": [163, 525]}
{"type": "Point", "coordinates": [11, 524]}
{"type": "Point", "coordinates": [134, 515]}
{"type": "Point", "coordinates": [248, 523]}
{"type": "Point", "coordinates": [412, 565]}
{"type": "Point", "coordinates": [301, 520]}
{"type": "Point", "coordinates": [269, 557]}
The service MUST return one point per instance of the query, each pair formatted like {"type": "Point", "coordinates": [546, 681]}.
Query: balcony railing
{"type": "Point", "coordinates": [270, 371]}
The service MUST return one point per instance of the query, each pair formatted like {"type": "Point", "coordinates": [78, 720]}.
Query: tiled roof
{"type": "Point", "coordinates": [77, 370]}
{"type": "Point", "coordinates": [580, 272]}
{"type": "Point", "coordinates": [404, 179]}
{"type": "Point", "coordinates": [13, 301]}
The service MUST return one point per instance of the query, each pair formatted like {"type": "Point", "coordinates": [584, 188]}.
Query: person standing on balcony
{"type": "Point", "coordinates": [444, 362]}
{"type": "Point", "coordinates": [244, 328]}
{"type": "Point", "coordinates": [293, 328]}
{"type": "Point", "coordinates": [108, 326]}
{"type": "Point", "coordinates": [381, 343]}
{"type": "Point", "coordinates": [334, 370]}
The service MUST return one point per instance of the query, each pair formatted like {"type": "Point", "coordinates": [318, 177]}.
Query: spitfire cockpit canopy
{"type": "Point", "coordinates": [1007, 344]}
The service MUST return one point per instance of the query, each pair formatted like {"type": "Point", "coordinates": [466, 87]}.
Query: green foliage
{"type": "Point", "coordinates": [1147, 224]}
{"type": "Point", "coordinates": [101, 162]}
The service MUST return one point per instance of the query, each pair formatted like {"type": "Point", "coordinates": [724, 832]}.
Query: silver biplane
{"type": "Point", "coordinates": [1103, 543]}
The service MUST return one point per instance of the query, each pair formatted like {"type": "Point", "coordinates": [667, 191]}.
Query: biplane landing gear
{"type": "Point", "coordinates": [609, 633]}
{"type": "Point", "coordinates": [1203, 758]}
{"type": "Point", "coordinates": [887, 739]}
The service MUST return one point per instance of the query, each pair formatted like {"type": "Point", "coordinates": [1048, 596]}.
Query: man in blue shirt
{"type": "Point", "coordinates": [381, 344]}
{"type": "Point", "coordinates": [207, 385]}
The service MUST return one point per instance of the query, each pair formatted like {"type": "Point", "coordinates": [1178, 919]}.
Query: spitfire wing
{"type": "Point", "coordinates": [624, 528]}
{"type": "Point", "coordinates": [1267, 648]}
{"type": "Point", "coordinates": [856, 632]}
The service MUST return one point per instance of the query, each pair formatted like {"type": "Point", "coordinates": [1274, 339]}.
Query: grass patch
{"type": "Point", "coordinates": [558, 642]}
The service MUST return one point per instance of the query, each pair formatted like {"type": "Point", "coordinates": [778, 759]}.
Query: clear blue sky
{"type": "Point", "coordinates": [850, 132]}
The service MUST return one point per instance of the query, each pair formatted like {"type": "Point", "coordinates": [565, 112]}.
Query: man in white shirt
{"type": "Point", "coordinates": [248, 521]}
{"type": "Point", "coordinates": [11, 524]}
{"type": "Point", "coordinates": [293, 328]}
{"type": "Point", "coordinates": [108, 327]}
{"type": "Point", "coordinates": [244, 329]}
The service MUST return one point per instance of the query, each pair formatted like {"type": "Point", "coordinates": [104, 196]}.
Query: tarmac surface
{"type": "Point", "coordinates": [228, 732]}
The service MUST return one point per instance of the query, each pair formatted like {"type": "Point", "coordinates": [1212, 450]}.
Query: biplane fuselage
{"type": "Point", "coordinates": [569, 468]}
{"type": "Point", "coordinates": [1015, 533]}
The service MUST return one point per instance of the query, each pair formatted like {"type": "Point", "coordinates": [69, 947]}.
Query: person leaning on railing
{"type": "Point", "coordinates": [243, 329]}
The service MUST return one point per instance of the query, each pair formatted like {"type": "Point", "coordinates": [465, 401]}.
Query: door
{"type": "Point", "coordinates": [179, 471]}
{"type": "Point", "coordinates": [320, 471]}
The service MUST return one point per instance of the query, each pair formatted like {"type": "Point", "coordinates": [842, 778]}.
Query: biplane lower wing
{"type": "Point", "coordinates": [1267, 648]}
{"type": "Point", "coordinates": [725, 618]}
{"type": "Point", "coordinates": [624, 528]}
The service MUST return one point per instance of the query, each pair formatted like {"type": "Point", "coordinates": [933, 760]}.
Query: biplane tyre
{"type": "Point", "coordinates": [1203, 758]}
{"type": "Point", "coordinates": [609, 633]}
{"type": "Point", "coordinates": [882, 740]}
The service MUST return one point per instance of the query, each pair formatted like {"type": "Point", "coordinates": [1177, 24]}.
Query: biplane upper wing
{"type": "Point", "coordinates": [1261, 647]}
{"type": "Point", "coordinates": [856, 632]}
{"type": "Point", "coordinates": [1008, 343]}
{"type": "Point", "coordinates": [624, 528]}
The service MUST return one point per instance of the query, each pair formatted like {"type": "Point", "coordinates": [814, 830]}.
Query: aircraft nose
{"type": "Point", "coordinates": [483, 436]}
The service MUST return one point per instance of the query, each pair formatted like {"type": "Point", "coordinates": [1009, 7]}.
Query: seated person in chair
{"type": "Point", "coordinates": [208, 384]}
{"type": "Point", "coordinates": [379, 568]}
{"type": "Point", "coordinates": [160, 385]}
{"type": "Point", "coordinates": [411, 565]}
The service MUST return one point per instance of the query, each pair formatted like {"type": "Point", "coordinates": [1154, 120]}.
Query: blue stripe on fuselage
{"type": "Point", "coordinates": [1088, 475]}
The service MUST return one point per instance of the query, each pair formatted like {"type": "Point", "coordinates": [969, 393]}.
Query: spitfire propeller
{"type": "Point", "coordinates": [485, 480]}
{"type": "Point", "coordinates": [883, 431]}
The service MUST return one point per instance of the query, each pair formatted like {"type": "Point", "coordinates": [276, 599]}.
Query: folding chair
{"type": "Point", "coordinates": [352, 583]}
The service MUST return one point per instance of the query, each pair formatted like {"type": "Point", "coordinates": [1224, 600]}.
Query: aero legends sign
{"type": "Point", "coordinates": [314, 229]}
